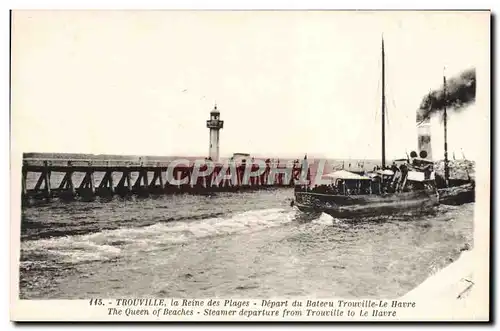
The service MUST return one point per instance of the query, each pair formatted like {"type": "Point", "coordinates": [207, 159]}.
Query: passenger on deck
{"type": "Point", "coordinates": [404, 169]}
{"type": "Point", "coordinates": [341, 186]}
{"type": "Point", "coordinates": [375, 185]}
{"type": "Point", "coordinates": [404, 174]}
{"type": "Point", "coordinates": [428, 171]}
{"type": "Point", "coordinates": [394, 167]}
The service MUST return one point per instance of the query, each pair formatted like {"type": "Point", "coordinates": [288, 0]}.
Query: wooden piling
{"type": "Point", "coordinates": [129, 181]}
{"type": "Point", "coordinates": [106, 185]}
{"type": "Point", "coordinates": [138, 181]}
{"type": "Point", "coordinates": [121, 182]}
{"type": "Point", "coordinates": [88, 184]}
{"type": "Point", "coordinates": [66, 185]}
{"type": "Point", "coordinates": [23, 182]}
{"type": "Point", "coordinates": [153, 180]}
{"type": "Point", "coordinates": [62, 186]}
{"type": "Point", "coordinates": [92, 182]}
{"type": "Point", "coordinates": [145, 177]}
{"type": "Point", "coordinates": [71, 186]}
{"type": "Point", "coordinates": [47, 180]}
{"type": "Point", "coordinates": [39, 182]}
{"type": "Point", "coordinates": [160, 178]}
{"type": "Point", "coordinates": [123, 188]}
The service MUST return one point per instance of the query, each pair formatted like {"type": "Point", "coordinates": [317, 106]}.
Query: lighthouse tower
{"type": "Point", "coordinates": [214, 124]}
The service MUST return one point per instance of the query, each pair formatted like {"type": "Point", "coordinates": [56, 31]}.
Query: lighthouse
{"type": "Point", "coordinates": [214, 124]}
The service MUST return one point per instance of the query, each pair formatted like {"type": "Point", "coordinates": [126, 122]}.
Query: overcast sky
{"type": "Point", "coordinates": [286, 83]}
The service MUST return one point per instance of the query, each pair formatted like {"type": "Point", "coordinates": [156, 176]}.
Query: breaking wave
{"type": "Point", "coordinates": [110, 244]}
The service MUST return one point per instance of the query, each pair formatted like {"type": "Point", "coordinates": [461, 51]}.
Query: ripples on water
{"type": "Point", "coordinates": [229, 245]}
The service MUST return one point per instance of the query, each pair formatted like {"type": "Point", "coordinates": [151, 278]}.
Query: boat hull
{"type": "Point", "coordinates": [344, 206]}
{"type": "Point", "coordinates": [457, 195]}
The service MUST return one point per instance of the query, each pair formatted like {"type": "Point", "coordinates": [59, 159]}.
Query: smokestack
{"type": "Point", "coordinates": [424, 139]}
{"type": "Point", "coordinates": [458, 93]}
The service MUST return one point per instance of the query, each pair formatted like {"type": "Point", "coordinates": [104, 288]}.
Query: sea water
{"type": "Point", "coordinates": [229, 245]}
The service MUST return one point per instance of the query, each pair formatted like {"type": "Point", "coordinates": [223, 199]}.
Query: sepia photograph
{"type": "Point", "coordinates": [248, 160]}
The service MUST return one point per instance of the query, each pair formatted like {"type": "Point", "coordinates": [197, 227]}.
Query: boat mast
{"type": "Point", "coordinates": [383, 104]}
{"type": "Point", "coordinates": [446, 167]}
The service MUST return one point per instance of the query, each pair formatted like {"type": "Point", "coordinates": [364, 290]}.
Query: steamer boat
{"type": "Point", "coordinates": [408, 185]}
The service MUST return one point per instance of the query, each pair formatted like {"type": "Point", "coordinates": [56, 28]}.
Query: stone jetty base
{"type": "Point", "coordinates": [452, 294]}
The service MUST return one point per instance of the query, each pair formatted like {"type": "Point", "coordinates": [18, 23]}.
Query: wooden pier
{"type": "Point", "coordinates": [72, 178]}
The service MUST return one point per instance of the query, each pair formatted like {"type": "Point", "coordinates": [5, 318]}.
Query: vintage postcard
{"type": "Point", "coordinates": [250, 165]}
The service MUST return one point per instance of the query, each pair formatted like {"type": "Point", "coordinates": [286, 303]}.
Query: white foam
{"type": "Point", "coordinates": [71, 249]}
{"type": "Point", "coordinates": [324, 219]}
{"type": "Point", "coordinates": [109, 244]}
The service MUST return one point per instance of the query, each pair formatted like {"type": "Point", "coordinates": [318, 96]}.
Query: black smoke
{"type": "Point", "coordinates": [460, 92]}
